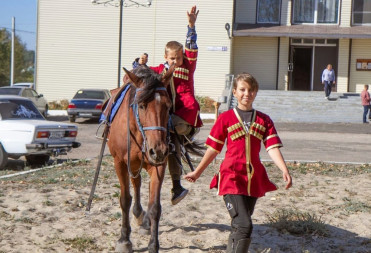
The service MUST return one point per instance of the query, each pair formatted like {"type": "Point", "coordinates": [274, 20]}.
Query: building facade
{"type": "Point", "coordinates": [285, 44]}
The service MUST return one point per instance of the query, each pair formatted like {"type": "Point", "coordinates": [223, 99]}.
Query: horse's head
{"type": "Point", "coordinates": [152, 105]}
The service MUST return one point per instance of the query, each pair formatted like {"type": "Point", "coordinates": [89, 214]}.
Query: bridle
{"type": "Point", "coordinates": [134, 105]}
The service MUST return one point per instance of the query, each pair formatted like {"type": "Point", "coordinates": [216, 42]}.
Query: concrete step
{"type": "Point", "coordinates": [308, 106]}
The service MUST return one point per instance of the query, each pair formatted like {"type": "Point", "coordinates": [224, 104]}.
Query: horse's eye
{"type": "Point", "coordinates": [142, 106]}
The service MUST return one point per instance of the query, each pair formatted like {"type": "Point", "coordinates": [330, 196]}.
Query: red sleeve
{"type": "Point", "coordinates": [270, 137]}
{"type": "Point", "coordinates": [217, 135]}
{"type": "Point", "coordinates": [190, 56]}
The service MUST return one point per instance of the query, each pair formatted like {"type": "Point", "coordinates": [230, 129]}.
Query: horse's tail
{"type": "Point", "coordinates": [195, 148]}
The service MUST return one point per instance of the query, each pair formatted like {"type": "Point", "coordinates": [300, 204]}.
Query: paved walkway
{"type": "Point", "coordinates": [313, 142]}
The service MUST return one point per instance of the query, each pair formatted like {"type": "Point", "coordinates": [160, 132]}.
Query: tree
{"type": "Point", "coordinates": [23, 60]}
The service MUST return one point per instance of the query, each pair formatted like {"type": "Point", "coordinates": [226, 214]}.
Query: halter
{"type": "Point", "coordinates": [142, 129]}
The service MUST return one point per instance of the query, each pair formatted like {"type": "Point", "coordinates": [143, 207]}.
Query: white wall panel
{"type": "Point", "coordinates": [345, 15]}
{"type": "Point", "coordinates": [78, 42]}
{"type": "Point", "coordinates": [343, 60]}
{"type": "Point", "coordinates": [76, 48]}
{"type": "Point", "coordinates": [360, 50]}
{"type": "Point", "coordinates": [257, 56]}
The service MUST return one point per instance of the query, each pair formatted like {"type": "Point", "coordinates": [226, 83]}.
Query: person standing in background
{"type": "Point", "coordinates": [328, 78]}
{"type": "Point", "coordinates": [365, 98]}
{"type": "Point", "coordinates": [143, 59]}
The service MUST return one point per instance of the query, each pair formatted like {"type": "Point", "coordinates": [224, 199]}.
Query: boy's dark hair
{"type": "Point", "coordinates": [174, 46]}
{"type": "Point", "coordinates": [248, 78]}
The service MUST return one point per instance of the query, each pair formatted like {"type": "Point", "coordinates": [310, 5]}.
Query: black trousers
{"type": "Point", "coordinates": [240, 208]}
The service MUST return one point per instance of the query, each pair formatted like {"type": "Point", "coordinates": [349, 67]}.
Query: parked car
{"type": "Point", "coordinates": [37, 99]}
{"type": "Point", "coordinates": [25, 132]}
{"type": "Point", "coordinates": [27, 85]}
{"type": "Point", "coordinates": [87, 103]}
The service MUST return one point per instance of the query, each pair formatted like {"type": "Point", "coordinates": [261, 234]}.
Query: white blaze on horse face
{"type": "Point", "coordinates": [157, 97]}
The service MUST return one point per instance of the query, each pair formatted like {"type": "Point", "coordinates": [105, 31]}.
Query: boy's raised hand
{"type": "Point", "coordinates": [192, 16]}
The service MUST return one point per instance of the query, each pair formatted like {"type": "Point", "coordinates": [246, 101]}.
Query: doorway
{"type": "Point", "coordinates": [322, 57]}
{"type": "Point", "coordinates": [302, 68]}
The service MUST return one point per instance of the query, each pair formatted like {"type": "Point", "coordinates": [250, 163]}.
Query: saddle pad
{"type": "Point", "coordinates": [115, 107]}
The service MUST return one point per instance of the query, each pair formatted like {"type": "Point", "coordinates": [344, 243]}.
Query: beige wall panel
{"type": "Point", "coordinates": [78, 42]}
{"type": "Point", "coordinates": [345, 15]}
{"type": "Point", "coordinates": [283, 63]}
{"type": "Point", "coordinates": [77, 47]}
{"type": "Point", "coordinates": [160, 26]}
{"type": "Point", "coordinates": [360, 50]}
{"type": "Point", "coordinates": [286, 12]}
{"type": "Point", "coordinates": [342, 75]}
{"type": "Point", "coordinates": [257, 56]}
{"type": "Point", "coordinates": [245, 11]}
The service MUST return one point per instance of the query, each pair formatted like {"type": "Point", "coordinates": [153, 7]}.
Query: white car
{"type": "Point", "coordinates": [25, 132]}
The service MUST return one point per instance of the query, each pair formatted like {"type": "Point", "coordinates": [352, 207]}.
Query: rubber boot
{"type": "Point", "coordinates": [230, 245]}
{"type": "Point", "coordinates": [241, 246]}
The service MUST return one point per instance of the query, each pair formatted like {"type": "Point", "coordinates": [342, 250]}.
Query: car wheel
{"type": "Point", "coordinates": [46, 111]}
{"type": "Point", "coordinates": [3, 158]}
{"type": "Point", "coordinates": [37, 160]}
{"type": "Point", "coordinates": [72, 119]}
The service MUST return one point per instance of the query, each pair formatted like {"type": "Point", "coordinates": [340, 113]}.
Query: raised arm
{"type": "Point", "coordinates": [192, 16]}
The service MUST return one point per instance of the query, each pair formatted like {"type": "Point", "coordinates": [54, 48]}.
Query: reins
{"type": "Point", "coordinates": [142, 130]}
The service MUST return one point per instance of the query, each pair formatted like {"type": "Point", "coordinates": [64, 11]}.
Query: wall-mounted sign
{"type": "Point", "coordinates": [363, 64]}
{"type": "Point", "coordinates": [217, 48]}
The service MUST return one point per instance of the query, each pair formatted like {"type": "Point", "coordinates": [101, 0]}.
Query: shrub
{"type": "Point", "coordinates": [206, 104]}
{"type": "Point", "coordinates": [58, 105]}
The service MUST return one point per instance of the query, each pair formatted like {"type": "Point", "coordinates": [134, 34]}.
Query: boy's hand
{"type": "Point", "coordinates": [192, 16]}
{"type": "Point", "coordinates": [286, 176]}
{"type": "Point", "coordinates": [191, 176]}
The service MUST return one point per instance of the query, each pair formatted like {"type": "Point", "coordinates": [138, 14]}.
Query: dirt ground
{"type": "Point", "coordinates": [44, 211]}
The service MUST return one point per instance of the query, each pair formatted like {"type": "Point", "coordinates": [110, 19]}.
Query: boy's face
{"type": "Point", "coordinates": [173, 56]}
{"type": "Point", "coordinates": [244, 95]}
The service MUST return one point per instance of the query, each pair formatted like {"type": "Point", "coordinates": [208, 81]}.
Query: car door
{"type": "Point", "coordinates": [33, 96]}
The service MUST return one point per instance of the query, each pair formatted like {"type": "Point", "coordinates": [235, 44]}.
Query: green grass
{"type": "Point", "coordinates": [84, 243]}
{"type": "Point", "coordinates": [297, 223]}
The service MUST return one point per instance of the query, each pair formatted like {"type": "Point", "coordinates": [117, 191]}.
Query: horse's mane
{"type": "Point", "coordinates": [151, 81]}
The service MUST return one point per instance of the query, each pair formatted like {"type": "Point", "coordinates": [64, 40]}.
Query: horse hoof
{"type": "Point", "coordinates": [144, 231]}
{"type": "Point", "coordinates": [140, 218]}
{"type": "Point", "coordinates": [124, 247]}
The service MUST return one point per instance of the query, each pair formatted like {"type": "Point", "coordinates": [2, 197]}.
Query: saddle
{"type": "Point", "coordinates": [115, 95]}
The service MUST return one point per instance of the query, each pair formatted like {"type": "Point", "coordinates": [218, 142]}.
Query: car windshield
{"type": "Point", "coordinates": [93, 94]}
{"type": "Point", "coordinates": [18, 109]}
{"type": "Point", "coordinates": [9, 91]}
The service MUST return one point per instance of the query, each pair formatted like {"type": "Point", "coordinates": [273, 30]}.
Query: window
{"type": "Point", "coordinates": [269, 11]}
{"type": "Point", "coordinates": [316, 11]}
{"type": "Point", "coordinates": [361, 12]}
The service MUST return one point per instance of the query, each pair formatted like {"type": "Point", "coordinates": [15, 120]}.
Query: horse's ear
{"type": "Point", "coordinates": [133, 78]}
{"type": "Point", "coordinates": [169, 74]}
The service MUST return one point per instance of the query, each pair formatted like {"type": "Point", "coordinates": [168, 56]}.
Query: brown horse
{"type": "Point", "coordinates": [138, 138]}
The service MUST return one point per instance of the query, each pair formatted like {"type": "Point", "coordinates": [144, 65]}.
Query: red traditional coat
{"type": "Point", "coordinates": [241, 171]}
{"type": "Point", "coordinates": [181, 89]}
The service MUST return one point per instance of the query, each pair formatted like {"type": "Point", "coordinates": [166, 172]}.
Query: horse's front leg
{"type": "Point", "coordinates": [138, 211]}
{"type": "Point", "coordinates": [154, 205]}
{"type": "Point", "coordinates": [124, 244]}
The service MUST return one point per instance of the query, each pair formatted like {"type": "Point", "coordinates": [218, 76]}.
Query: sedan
{"type": "Point", "coordinates": [87, 103]}
{"type": "Point", "coordinates": [37, 99]}
{"type": "Point", "coordinates": [25, 132]}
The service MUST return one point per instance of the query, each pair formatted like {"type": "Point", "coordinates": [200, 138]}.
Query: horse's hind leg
{"type": "Point", "coordinates": [124, 244]}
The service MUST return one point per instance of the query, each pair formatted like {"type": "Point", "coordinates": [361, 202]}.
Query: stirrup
{"type": "Point", "coordinates": [106, 124]}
